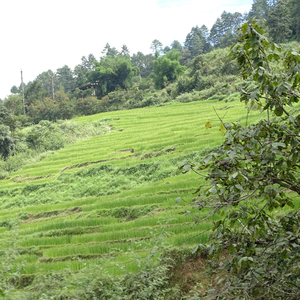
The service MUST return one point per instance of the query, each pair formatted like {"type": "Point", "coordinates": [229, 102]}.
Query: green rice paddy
{"type": "Point", "coordinates": [110, 200]}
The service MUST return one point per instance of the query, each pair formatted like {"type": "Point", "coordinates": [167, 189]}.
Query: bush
{"type": "Point", "coordinates": [7, 145]}
{"type": "Point", "coordinates": [61, 107]}
{"type": "Point", "coordinates": [185, 98]}
{"type": "Point", "coordinates": [45, 136]}
{"type": "Point", "coordinates": [89, 106]}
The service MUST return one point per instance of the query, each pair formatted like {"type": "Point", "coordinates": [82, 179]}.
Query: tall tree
{"type": "Point", "coordinates": [156, 46]}
{"type": "Point", "coordinates": [49, 81]}
{"type": "Point", "coordinates": [294, 6]}
{"type": "Point", "coordinates": [15, 90]}
{"type": "Point", "coordinates": [87, 63]}
{"type": "Point", "coordinates": [65, 78]}
{"type": "Point", "coordinates": [166, 69]}
{"type": "Point", "coordinates": [166, 50]}
{"type": "Point", "coordinates": [79, 76]}
{"type": "Point", "coordinates": [224, 31]}
{"type": "Point", "coordinates": [109, 51]}
{"type": "Point", "coordinates": [111, 74]}
{"type": "Point", "coordinates": [279, 21]}
{"type": "Point", "coordinates": [125, 51]}
{"type": "Point", "coordinates": [143, 62]}
{"type": "Point", "coordinates": [176, 45]}
{"type": "Point", "coordinates": [4, 113]}
{"type": "Point", "coordinates": [260, 9]}
{"type": "Point", "coordinates": [14, 104]}
{"type": "Point", "coordinates": [35, 91]}
{"type": "Point", "coordinates": [196, 41]}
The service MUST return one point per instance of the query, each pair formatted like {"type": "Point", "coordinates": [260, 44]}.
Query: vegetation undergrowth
{"type": "Point", "coordinates": [93, 215]}
{"type": "Point", "coordinates": [34, 143]}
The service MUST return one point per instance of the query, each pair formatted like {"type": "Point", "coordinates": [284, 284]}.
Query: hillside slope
{"type": "Point", "coordinates": [109, 201]}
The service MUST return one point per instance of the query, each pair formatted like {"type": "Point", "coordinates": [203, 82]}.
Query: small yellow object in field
{"type": "Point", "coordinates": [222, 128]}
{"type": "Point", "coordinates": [208, 125]}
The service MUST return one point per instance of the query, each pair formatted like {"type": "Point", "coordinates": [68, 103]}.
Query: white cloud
{"type": "Point", "coordinates": [37, 35]}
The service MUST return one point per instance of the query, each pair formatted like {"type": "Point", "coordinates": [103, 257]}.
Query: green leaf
{"type": "Point", "coordinates": [211, 291]}
{"type": "Point", "coordinates": [244, 28]}
{"type": "Point", "coordinates": [276, 57]}
{"type": "Point", "coordinates": [290, 204]}
{"type": "Point", "coordinates": [232, 154]}
{"type": "Point", "coordinates": [187, 167]}
{"type": "Point", "coordinates": [278, 144]}
{"type": "Point", "coordinates": [272, 47]}
{"type": "Point", "coordinates": [238, 186]}
{"type": "Point", "coordinates": [213, 190]}
{"type": "Point", "coordinates": [292, 119]}
{"type": "Point", "coordinates": [261, 79]}
{"type": "Point", "coordinates": [177, 200]}
{"type": "Point", "coordinates": [284, 165]}
{"type": "Point", "coordinates": [195, 250]}
{"type": "Point", "coordinates": [235, 174]}
{"type": "Point", "coordinates": [207, 159]}
{"type": "Point", "coordinates": [254, 106]}
{"type": "Point", "coordinates": [246, 258]}
{"type": "Point", "coordinates": [294, 142]}
{"type": "Point", "coordinates": [270, 57]}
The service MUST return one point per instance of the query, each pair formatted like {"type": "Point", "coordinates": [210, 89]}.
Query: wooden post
{"type": "Point", "coordinates": [52, 83]}
{"type": "Point", "coordinates": [23, 92]}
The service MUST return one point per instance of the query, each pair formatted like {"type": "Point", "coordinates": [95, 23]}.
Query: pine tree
{"type": "Point", "coordinates": [280, 22]}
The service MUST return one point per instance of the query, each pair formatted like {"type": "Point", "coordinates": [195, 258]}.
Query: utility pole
{"type": "Point", "coordinates": [23, 92]}
{"type": "Point", "coordinates": [52, 83]}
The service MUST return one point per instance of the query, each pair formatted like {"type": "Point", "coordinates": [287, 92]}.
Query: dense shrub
{"type": "Point", "coordinates": [89, 106]}
{"type": "Point", "coordinates": [7, 145]}
{"type": "Point", "coordinates": [59, 108]}
{"type": "Point", "coordinates": [33, 143]}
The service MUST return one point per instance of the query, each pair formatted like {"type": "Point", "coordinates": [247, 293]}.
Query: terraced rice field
{"type": "Point", "coordinates": [110, 200]}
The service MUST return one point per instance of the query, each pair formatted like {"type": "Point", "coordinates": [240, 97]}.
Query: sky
{"type": "Point", "coordinates": [38, 35]}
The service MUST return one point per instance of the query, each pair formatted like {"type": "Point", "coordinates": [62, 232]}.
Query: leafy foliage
{"type": "Point", "coordinates": [196, 41]}
{"type": "Point", "coordinates": [89, 105]}
{"type": "Point", "coordinates": [111, 74]}
{"type": "Point", "coordinates": [29, 145]}
{"type": "Point", "coordinates": [166, 69]}
{"type": "Point", "coordinates": [7, 144]}
{"type": "Point", "coordinates": [254, 174]}
{"type": "Point", "coordinates": [143, 62]}
{"type": "Point", "coordinates": [224, 31]}
{"type": "Point", "coordinates": [58, 108]}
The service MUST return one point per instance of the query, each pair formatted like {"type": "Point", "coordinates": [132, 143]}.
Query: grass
{"type": "Point", "coordinates": [113, 204]}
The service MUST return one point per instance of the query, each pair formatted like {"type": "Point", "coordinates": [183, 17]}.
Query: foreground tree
{"type": "Point", "coordinates": [254, 176]}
